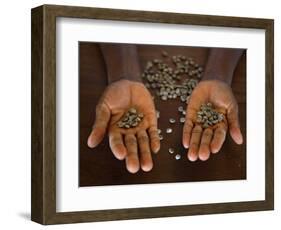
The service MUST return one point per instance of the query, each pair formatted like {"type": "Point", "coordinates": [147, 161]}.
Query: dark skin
{"type": "Point", "coordinates": [124, 91]}
{"type": "Point", "coordinates": [215, 87]}
{"type": "Point", "coordinates": [136, 145]}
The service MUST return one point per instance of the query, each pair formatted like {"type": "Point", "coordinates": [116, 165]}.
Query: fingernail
{"type": "Point", "coordinates": [240, 141]}
{"type": "Point", "coordinates": [156, 151]}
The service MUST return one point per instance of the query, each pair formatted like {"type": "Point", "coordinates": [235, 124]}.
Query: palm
{"type": "Point", "coordinates": [133, 144]}
{"type": "Point", "coordinates": [122, 95]}
{"type": "Point", "coordinates": [202, 142]}
{"type": "Point", "coordinates": [218, 93]}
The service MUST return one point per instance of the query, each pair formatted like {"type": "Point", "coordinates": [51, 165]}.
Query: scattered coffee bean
{"type": "Point", "coordinates": [169, 130]}
{"type": "Point", "coordinates": [172, 120]}
{"type": "Point", "coordinates": [182, 119]}
{"type": "Point", "coordinates": [132, 111]}
{"type": "Point", "coordinates": [183, 98]}
{"type": "Point", "coordinates": [180, 109]}
{"type": "Point", "coordinates": [171, 150]}
{"type": "Point", "coordinates": [172, 82]}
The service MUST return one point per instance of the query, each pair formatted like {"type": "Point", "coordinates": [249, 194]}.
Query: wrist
{"type": "Point", "coordinates": [129, 77]}
{"type": "Point", "coordinates": [128, 82]}
{"type": "Point", "coordinates": [121, 62]}
{"type": "Point", "coordinates": [220, 76]}
{"type": "Point", "coordinates": [221, 64]}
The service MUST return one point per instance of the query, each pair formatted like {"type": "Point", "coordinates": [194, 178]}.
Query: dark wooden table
{"type": "Point", "coordinates": [99, 167]}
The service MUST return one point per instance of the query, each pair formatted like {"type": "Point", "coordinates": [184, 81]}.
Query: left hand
{"type": "Point", "coordinates": [201, 142]}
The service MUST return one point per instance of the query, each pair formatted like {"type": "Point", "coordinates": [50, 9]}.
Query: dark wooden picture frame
{"type": "Point", "coordinates": [43, 206]}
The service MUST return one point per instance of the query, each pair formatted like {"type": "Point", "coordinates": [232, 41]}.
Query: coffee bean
{"type": "Point", "coordinates": [131, 119]}
{"type": "Point", "coordinates": [169, 130]}
{"type": "Point", "coordinates": [140, 115]}
{"type": "Point", "coordinates": [183, 98]}
{"type": "Point", "coordinates": [208, 116]}
{"type": "Point", "coordinates": [171, 150]}
{"type": "Point", "coordinates": [132, 110]}
{"type": "Point", "coordinates": [182, 119]}
{"type": "Point", "coordinates": [172, 120]}
{"type": "Point", "coordinates": [180, 108]}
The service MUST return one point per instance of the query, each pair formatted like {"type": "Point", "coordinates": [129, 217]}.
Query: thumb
{"type": "Point", "coordinates": [234, 126]}
{"type": "Point", "coordinates": [100, 125]}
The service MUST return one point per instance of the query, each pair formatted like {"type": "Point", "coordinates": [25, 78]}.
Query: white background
{"type": "Point", "coordinates": [15, 114]}
{"type": "Point", "coordinates": [71, 197]}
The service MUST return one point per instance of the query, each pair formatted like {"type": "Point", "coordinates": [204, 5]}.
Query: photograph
{"type": "Point", "coordinates": [144, 114]}
{"type": "Point", "coordinates": [153, 113]}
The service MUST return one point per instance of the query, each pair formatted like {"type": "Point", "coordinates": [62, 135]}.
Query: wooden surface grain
{"type": "Point", "coordinates": [99, 167]}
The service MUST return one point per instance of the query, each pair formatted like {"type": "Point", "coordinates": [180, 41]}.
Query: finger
{"type": "Point", "coordinates": [204, 149]}
{"type": "Point", "coordinates": [117, 145]}
{"type": "Point", "coordinates": [218, 138]}
{"type": "Point", "coordinates": [153, 132]}
{"type": "Point", "coordinates": [154, 139]}
{"type": "Point", "coordinates": [188, 125]}
{"type": "Point", "coordinates": [187, 128]}
{"type": "Point", "coordinates": [194, 143]}
{"type": "Point", "coordinates": [132, 160]}
{"type": "Point", "coordinates": [234, 126]}
{"type": "Point", "coordinates": [100, 125]}
{"type": "Point", "coordinates": [145, 154]}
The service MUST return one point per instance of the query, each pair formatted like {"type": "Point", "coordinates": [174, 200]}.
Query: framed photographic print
{"type": "Point", "coordinates": [139, 114]}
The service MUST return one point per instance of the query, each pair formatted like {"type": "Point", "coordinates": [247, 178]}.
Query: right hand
{"type": "Point", "coordinates": [133, 144]}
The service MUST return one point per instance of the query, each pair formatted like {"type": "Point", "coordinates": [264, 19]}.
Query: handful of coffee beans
{"type": "Point", "coordinates": [208, 116]}
{"type": "Point", "coordinates": [131, 119]}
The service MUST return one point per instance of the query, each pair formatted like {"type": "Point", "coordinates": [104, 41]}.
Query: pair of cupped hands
{"type": "Point", "coordinates": [136, 145]}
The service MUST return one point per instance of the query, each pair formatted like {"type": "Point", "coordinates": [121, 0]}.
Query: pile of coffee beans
{"type": "Point", "coordinates": [173, 82]}
{"type": "Point", "coordinates": [208, 116]}
{"type": "Point", "coordinates": [131, 119]}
